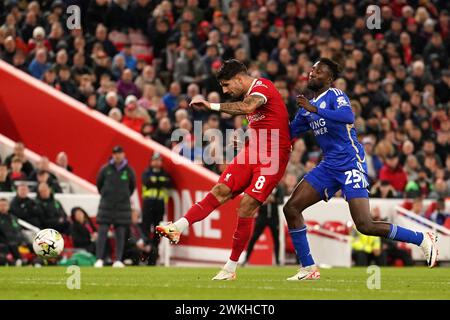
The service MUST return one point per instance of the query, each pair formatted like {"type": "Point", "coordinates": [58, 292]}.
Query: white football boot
{"type": "Point", "coordinates": [429, 248]}
{"type": "Point", "coordinates": [306, 273]}
{"type": "Point", "coordinates": [225, 275]}
{"type": "Point", "coordinates": [98, 263]}
{"type": "Point", "coordinates": [118, 264]}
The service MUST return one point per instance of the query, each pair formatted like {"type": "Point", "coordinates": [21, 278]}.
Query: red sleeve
{"type": "Point", "coordinates": [261, 89]}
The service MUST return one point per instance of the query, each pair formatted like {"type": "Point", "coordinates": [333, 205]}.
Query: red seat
{"type": "Point", "coordinates": [431, 208]}
{"type": "Point", "coordinates": [447, 223]}
{"type": "Point", "coordinates": [336, 226]}
{"type": "Point", "coordinates": [407, 204]}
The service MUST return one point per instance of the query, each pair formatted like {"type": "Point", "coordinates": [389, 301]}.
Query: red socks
{"type": "Point", "coordinates": [241, 236]}
{"type": "Point", "coordinates": [202, 209]}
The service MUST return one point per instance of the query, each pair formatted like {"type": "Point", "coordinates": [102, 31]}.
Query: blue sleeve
{"type": "Point", "coordinates": [299, 125]}
{"type": "Point", "coordinates": [341, 112]}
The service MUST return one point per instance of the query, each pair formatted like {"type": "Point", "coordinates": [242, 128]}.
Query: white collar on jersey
{"type": "Point", "coordinates": [251, 87]}
{"type": "Point", "coordinates": [320, 96]}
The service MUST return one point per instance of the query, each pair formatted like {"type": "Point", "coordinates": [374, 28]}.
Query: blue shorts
{"type": "Point", "coordinates": [352, 180]}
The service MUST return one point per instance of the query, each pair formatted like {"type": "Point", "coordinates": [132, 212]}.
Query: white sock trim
{"type": "Point", "coordinates": [182, 224]}
{"type": "Point", "coordinates": [231, 265]}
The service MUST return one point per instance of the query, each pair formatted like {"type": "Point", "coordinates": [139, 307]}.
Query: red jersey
{"type": "Point", "coordinates": [271, 117]}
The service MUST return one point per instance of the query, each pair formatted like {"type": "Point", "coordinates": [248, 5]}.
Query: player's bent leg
{"type": "Point", "coordinates": [247, 210]}
{"type": "Point", "coordinates": [302, 197]}
{"type": "Point", "coordinates": [219, 194]}
{"type": "Point", "coordinates": [360, 211]}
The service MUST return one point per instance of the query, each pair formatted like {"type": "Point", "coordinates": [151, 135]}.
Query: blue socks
{"type": "Point", "coordinates": [405, 235]}
{"type": "Point", "coordinates": [301, 246]}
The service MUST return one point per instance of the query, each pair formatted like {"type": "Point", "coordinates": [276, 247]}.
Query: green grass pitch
{"type": "Point", "coordinates": [259, 283]}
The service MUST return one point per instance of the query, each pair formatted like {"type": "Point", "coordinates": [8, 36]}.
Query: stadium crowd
{"type": "Point", "coordinates": [141, 61]}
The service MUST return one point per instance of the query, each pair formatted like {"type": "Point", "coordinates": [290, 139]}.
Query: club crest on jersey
{"type": "Point", "coordinates": [323, 105]}
{"type": "Point", "coordinates": [259, 84]}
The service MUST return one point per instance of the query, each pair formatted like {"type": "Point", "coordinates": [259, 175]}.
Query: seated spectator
{"type": "Point", "coordinates": [44, 176]}
{"type": "Point", "coordinates": [83, 231]}
{"type": "Point", "coordinates": [441, 189]}
{"type": "Point", "coordinates": [170, 99]}
{"type": "Point", "coordinates": [16, 173]}
{"type": "Point", "coordinates": [130, 60]}
{"type": "Point", "coordinates": [136, 247]}
{"type": "Point", "coordinates": [440, 214]}
{"type": "Point", "coordinates": [11, 236]}
{"type": "Point", "coordinates": [115, 114]}
{"type": "Point", "coordinates": [42, 164]}
{"type": "Point", "coordinates": [63, 161]}
{"type": "Point", "coordinates": [108, 102]}
{"type": "Point", "coordinates": [39, 64]}
{"type": "Point", "coordinates": [126, 86]}
{"type": "Point", "coordinates": [135, 116]}
{"type": "Point", "coordinates": [394, 173]}
{"type": "Point", "coordinates": [382, 189]}
{"type": "Point", "coordinates": [163, 133]}
{"type": "Point", "coordinates": [25, 208]}
{"type": "Point", "coordinates": [374, 163]}
{"type": "Point", "coordinates": [422, 186]}
{"type": "Point", "coordinates": [5, 182]}
{"type": "Point", "coordinates": [148, 77]}
{"type": "Point", "coordinates": [19, 152]}
{"type": "Point", "coordinates": [52, 212]}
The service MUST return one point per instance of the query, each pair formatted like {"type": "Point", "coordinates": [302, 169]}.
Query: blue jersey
{"type": "Point", "coordinates": [333, 128]}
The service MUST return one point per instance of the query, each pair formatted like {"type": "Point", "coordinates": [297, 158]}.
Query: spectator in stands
{"type": "Point", "coordinates": [52, 212]}
{"type": "Point", "coordinates": [135, 116]}
{"type": "Point", "coordinates": [44, 176]}
{"type": "Point", "coordinates": [156, 183]}
{"type": "Point", "coordinates": [39, 64]}
{"type": "Point", "coordinates": [268, 216]}
{"type": "Point", "coordinates": [130, 60]}
{"type": "Point", "coordinates": [126, 86]}
{"type": "Point", "coordinates": [44, 165]}
{"type": "Point", "coordinates": [116, 182]}
{"type": "Point", "coordinates": [115, 114]}
{"type": "Point", "coordinates": [148, 77]}
{"type": "Point", "coordinates": [16, 173]}
{"type": "Point", "coordinates": [163, 133]}
{"type": "Point", "coordinates": [19, 152]}
{"type": "Point", "coordinates": [83, 231]}
{"type": "Point", "coordinates": [374, 164]}
{"type": "Point", "coordinates": [189, 68]}
{"type": "Point", "coordinates": [136, 247]}
{"type": "Point", "coordinates": [111, 101]}
{"type": "Point", "coordinates": [5, 182]}
{"type": "Point", "coordinates": [25, 208]}
{"type": "Point", "coordinates": [383, 189]}
{"type": "Point", "coordinates": [440, 189]}
{"type": "Point", "coordinates": [422, 186]}
{"type": "Point", "coordinates": [171, 98]}
{"type": "Point", "coordinates": [394, 173]}
{"type": "Point", "coordinates": [11, 236]}
{"type": "Point", "coordinates": [62, 160]}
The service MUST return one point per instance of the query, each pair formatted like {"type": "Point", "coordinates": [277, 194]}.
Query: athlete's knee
{"type": "Point", "coordinates": [366, 227]}
{"type": "Point", "coordinates": [247, 207]}
{"type": "Point", "coordinates": [292, 212]}
{"type": "Point", "coordinates": [221, 192]}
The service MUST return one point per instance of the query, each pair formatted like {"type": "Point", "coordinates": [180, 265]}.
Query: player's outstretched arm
{"type": "Point", "coordinates": [250, 104]}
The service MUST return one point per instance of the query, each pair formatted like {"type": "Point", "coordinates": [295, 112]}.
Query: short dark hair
{"type": "Point", "coordinates": [230, 68]}
{"type": "Point", "coordinates": [334, 67]}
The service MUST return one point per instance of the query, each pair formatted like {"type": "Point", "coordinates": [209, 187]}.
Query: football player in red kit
{"type": "Point", "coordinates": [257, 168]}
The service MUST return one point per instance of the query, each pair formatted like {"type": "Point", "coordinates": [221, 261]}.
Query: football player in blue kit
{"type": "Point", "coordinates": [331, 118]}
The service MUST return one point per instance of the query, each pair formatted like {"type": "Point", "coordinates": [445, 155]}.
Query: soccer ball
{"type": "Point", "coordinates": [48, 243]}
